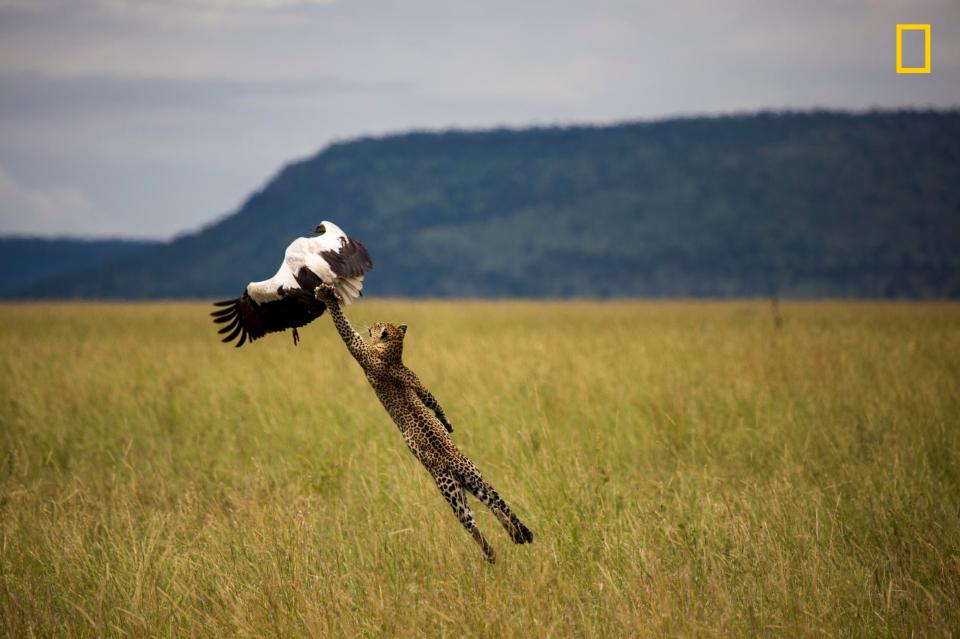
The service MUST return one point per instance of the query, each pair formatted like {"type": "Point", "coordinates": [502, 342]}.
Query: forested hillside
{"type": "Point", "coordinates": [813, 204]}
{"type": "Point", "coordinates": [27, 261]}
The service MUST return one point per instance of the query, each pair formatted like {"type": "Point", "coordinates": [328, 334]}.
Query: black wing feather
{"type": "Point", "coordinates": [250, 321]}
{"type": "Point", "coordinates": [350, 260]}
{"type": "Point", "coordinates": [307, 279]}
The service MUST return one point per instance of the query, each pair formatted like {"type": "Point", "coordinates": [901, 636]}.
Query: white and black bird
{"type": "Point", "coordinates": [286, 300]}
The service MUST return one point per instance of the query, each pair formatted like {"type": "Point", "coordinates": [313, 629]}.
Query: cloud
{"type": "Point", "coordinates": [206, 12]}
{"type": "Point", "coordinates": [26, 5]}
{"type": "Point", "coordinates": [201, 5]}
{"type": "Point", "coordinates": [33, 95]}
{"type": "Point", "coordinates": [179, 6]}
{"type": "Point", "coordinates": [46, 211]}
{"type": "Point", "coordinates": [220, 93]}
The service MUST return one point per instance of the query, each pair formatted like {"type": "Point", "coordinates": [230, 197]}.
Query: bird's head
{"type": "Point", "coordinates": [387, 339]}
{"type": "Point", "coordinates": [326, 227]}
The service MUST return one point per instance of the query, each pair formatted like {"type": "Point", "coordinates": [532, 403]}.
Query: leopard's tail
{"type": "Point", "coordinates": [486, 494]}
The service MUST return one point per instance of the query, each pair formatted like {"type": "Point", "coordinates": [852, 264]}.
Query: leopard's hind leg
{"type": "Point", "coordinates": [453, 491]}
{"type": "Point", "coordinates": [483, 491]}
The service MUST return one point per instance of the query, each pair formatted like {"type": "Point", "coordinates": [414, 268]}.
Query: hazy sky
{"type": "Point", "coordinates": [149, 117]}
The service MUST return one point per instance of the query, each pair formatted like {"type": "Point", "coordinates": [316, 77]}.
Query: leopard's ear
{"type": "Point", "coordinates": [403, 328]}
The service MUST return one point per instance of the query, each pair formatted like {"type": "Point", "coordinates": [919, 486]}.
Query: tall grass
{"type": "Point", "coordinates": [687, 470]}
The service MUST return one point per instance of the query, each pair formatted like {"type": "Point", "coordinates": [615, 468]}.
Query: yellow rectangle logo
{"type": "Point", "coordinates": [925, 28]}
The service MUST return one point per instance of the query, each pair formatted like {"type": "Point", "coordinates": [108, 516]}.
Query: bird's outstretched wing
{"type": "Point", "coordinates": [247, 320]}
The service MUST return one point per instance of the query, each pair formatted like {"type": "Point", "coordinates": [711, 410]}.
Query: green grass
{"type": "Point", "coordinates": [686, 468]}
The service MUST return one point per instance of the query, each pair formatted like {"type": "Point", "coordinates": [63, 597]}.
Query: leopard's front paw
{"type": "Point", "coordinates": [326, 293]}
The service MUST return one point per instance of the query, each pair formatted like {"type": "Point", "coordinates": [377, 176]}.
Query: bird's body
{"type": "Point", "coordinates": [286, 300]}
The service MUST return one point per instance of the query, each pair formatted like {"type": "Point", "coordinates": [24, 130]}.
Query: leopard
{"type": "Point", "coordinates": [422, 422]}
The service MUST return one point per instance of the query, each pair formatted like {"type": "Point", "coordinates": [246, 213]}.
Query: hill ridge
{"type": "Point", "coordinates": [817, 203]}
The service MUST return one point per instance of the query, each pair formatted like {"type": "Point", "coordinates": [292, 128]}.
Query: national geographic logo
{"type": "Point", "coordinates": [913, 29]}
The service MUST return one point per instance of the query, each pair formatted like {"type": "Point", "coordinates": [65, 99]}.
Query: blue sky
{"type": "Point", "coordinates": [147, 118]}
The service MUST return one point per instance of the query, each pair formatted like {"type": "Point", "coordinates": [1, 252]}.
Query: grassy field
{"type": "Point", "coordinates": [687, 470]}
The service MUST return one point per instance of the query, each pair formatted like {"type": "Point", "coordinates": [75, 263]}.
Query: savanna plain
{"type": "Point", "coordinates": [688, 469]}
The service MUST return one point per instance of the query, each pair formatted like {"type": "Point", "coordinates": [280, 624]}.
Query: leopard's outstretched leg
{"type": "Point", "coordinates": [453, 492]}
{"type": "Point", "coordinates": [483, 491]}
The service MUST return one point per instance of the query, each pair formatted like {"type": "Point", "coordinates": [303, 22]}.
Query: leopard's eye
{"type": "Point", "coordinates": [384, 334]}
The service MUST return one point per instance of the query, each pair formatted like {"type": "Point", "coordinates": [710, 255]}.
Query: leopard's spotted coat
{"type": "Point", "coordinates": [422, 422]}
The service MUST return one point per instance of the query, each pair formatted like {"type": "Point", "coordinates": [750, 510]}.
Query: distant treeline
{"type": "Point", "coordinates": [797, 204]}
{"type": "Point", "coordinates": [27, 261]}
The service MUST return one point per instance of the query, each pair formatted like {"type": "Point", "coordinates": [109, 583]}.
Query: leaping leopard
{"type": "Point", "coordinates": [421, 422]}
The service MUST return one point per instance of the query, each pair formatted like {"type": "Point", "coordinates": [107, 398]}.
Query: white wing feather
{"type": "Point", "coordinates": [266, 291]}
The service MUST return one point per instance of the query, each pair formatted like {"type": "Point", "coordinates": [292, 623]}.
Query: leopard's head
{"type": "Point", "coordinates": [387, 339]}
